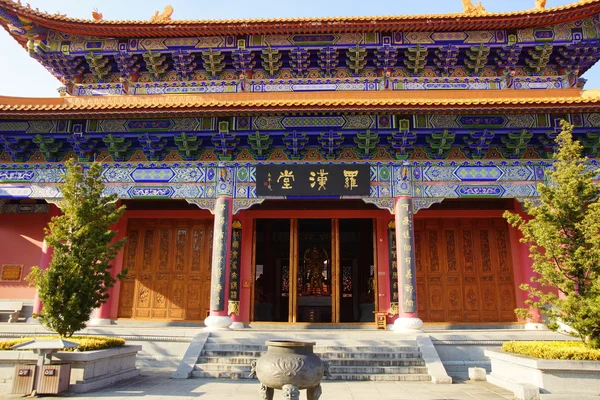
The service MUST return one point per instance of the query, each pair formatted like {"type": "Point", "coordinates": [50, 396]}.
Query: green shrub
{"type": "Point", "coordinates": [551, 350]}
{"type": "Point", "coordinates": [86, 343]}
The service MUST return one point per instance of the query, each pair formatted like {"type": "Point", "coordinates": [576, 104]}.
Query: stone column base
{"type": "Point", "coordinates": [237, 325]}
{"type": "Point", "coordinates": [535, 326]}
{"type": "Point", "coordinates": [32, 320]}
{"type": "Point", "coordinates": [217, 323]}
{"type": "Point", "coordinates": [99, 322]}
{"type": "Point", "coordinates": [403, 324]}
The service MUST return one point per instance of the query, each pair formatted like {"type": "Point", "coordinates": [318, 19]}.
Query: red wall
{"type": "Point", "coordinates": [21, 237]}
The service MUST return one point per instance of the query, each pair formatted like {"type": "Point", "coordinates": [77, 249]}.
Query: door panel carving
{"type": "Point", "coordinates": [168, 269]}
{"type": "Point", "coordinates": [464, 270]}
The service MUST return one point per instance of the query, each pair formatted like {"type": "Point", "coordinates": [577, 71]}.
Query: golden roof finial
{"type": "Point", "coordinates": [165, 16]}
{"type": "Point", "coordinates": [540, 4]}
{"type": "Point", "coordinates": [470, 8]}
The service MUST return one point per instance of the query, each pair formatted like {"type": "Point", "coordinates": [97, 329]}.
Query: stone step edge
{"type": "Point", "coordinates": [343, 370]}
{"type": "Point", "coordinates": [334, 377]}
{"type": "Point", "coordinates": [320, 349]}
{"type": "Point", "coordinates": [248, 360]}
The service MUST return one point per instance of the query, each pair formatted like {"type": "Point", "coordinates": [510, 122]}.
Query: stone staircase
{"type": "Point", "coordinates": [358, 357]}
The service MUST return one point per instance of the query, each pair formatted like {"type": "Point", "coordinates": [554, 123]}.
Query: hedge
{"type": "Point", "coordinates": [552, 350]}
{"type": "Point", "coordinates": [86, 343]}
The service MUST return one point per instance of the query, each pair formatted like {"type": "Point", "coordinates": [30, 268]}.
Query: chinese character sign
{"type": "Point", "coordinates": [405, 250]}
{"type": "Point", "coordinates": [219, 260]}
{"type": "Point", "coordinates": [234, 268]}
{"type": "Point", "coordinates": [393, 265]}
{"type": "Point", "coordinates": [313, 180]}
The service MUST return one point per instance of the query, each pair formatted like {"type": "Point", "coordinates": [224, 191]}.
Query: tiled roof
{"type": "Point", "coordinates": [421, 101]}
{"type": "Point", "coordinates": [405, 23]}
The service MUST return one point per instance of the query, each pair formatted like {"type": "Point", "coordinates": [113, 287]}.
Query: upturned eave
{"type": "Point", "coordinates": [473, 101]}
{"type": "Point", "coordinates": [270, 26]}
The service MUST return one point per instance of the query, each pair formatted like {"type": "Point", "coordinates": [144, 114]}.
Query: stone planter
{"type": "Point", "coordinates": [290, 366]}
{"type": "Point", "coordinates": [517, 373]}
{"type": "Point", "coordinates": [90, 370]}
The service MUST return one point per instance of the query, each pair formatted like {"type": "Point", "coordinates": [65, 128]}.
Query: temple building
{"type": "Point", "coordinates": [300, 170]}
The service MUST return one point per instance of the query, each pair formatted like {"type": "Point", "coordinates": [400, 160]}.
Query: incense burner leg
{"type": "Point", "coordinates": [314, 393]}
{"type": "Point", "coordinates": [266, 393]}
{"type": "Point", "coordinates": [290, 392]}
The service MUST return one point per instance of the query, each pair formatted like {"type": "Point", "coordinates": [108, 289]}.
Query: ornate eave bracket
{"type": "Point", "coordinates": [535, 201]}
{"type": "Point", "coordinates": [381, 202]}
{"type": "Point", "coordinates": [425, 203]}
{"type": "Point", "coordinates": [238, 204]}
{"type": "Point", "coordinates": [388, 203]}
{"type": "Point", "coordinates": [57, 202]}
{"type": "Point", "coordinates": [204, 204]}
{"type": "Point", "coordinates": [244, 204]}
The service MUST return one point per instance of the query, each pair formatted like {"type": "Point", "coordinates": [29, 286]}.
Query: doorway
{"type": "Point", "coordinates": [318, 270]}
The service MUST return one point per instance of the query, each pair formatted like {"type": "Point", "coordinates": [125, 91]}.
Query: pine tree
{"type": "Point", "coordinates": [78, 277]}
{"type": "Point", "coordinates": [564, 238]}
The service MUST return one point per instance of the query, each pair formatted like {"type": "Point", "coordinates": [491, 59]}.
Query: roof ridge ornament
{"type": "Point", "coordinates": [540, 4]}
{"type": "Point", "coordinates": [164, 16]}
{"type": "Point", "coordinates": [97, 15]}
{"type": "Point", "coordinates": [472, 9]}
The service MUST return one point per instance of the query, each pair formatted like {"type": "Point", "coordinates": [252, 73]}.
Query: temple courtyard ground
{"type": "Point", "coordinates": [157, 384]}
{"type": "Point", "coordinates": [164, 347]}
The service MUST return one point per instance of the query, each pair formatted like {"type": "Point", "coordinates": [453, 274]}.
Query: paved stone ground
{"type": "Point", "coordinates": [155, 385]}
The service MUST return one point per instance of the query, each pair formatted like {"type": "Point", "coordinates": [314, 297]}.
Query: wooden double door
{"type": "Point", "coordinates": [464, 270]}
{"type": "Point", "coordinates": [314, 270]}
{"type": "Point", "coordinates": [168, 263]}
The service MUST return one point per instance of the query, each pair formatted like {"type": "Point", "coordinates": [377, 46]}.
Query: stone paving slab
{"type": "Point", "coordinates": [155, 385]}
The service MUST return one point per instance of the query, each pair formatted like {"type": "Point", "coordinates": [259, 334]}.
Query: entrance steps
{"type": "Point", "coordinates": [360, 357]}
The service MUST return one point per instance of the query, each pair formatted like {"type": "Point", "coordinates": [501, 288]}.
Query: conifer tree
{"type": "Point", "coordinates": [564, 238]}
{"type": "Point", "coordinates": [78, 278]}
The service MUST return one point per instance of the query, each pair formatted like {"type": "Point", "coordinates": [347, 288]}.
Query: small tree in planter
{"type": "Point", "coordinates": [564, 238]}
{"type": "Point", "coordinates": [78, 278]}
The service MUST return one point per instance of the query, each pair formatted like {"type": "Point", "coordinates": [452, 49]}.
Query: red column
{"type": "Point", "coordinates": [113, 301]}
{"type": "Point", "coordinates": [102, 315]}
{"type": "Point", "coordinates": [522, 268]}
{"type": "Point", "coordinates": [44, 261]}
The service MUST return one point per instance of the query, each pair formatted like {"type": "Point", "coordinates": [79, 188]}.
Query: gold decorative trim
{"type": "Point", "coordinates": [233, 307]}
{"type": "Point", "coordinates": [394, 308]}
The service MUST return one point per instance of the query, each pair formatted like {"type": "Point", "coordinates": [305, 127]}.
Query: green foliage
{"type": "Point", "coordinates": [552, 350]}
{"type": "Point", "coordinates": [563, 235]}
{"type": "Point", "coordinates": [78, 278]}
{"type": "Point", "coordinates": [86, 343]}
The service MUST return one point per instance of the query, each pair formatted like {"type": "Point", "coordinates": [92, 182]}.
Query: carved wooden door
{"type": "Point", "coordinates": [464, 270]}
{"type": "Point", "coordinates": [168, 263]}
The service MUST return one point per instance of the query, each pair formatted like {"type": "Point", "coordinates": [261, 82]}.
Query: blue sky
{"type": "Point", "coordinates": [21, 75]}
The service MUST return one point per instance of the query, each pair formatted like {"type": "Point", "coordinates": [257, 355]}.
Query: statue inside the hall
{"type": "Point", "coordinates": [315, 272]}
